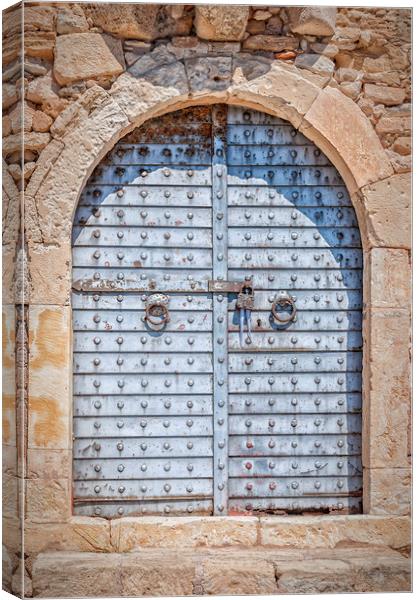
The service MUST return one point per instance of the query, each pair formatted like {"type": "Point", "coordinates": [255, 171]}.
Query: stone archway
{"type": "Point", "coordinates": [86, 131]}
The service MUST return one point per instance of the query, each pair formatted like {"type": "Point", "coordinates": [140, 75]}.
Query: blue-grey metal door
{"type": "Point", "coordinates": [181, 406]}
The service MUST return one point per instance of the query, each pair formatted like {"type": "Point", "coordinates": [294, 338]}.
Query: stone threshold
{"type": "Point", "coordinates": [222, 571]}
{"type": "Point", "coordinates": [130, 534]}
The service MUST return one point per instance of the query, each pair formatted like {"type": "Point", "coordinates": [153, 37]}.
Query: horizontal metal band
{"type": "Point", "coordinates": [139, 447]}
{"type": "Point", "coordinates": [313, 466]}
{"type": "Point", "coordinates": [294, 486]}
{"type": "Point", "coordinates": [296, 424]}
{"type": "Point", "coordinates": [295, 444]}
{"type": "Point", "coordinates": [296, 403]}
{"type": "Point", "coordinates": [111, 510]}
{"type": "Point", "coordinates": [276, 155]}
{"type": "Point", "coordinates": [142, 426]}
{"type": "Point", "coordinates": [143, 469]}
{"type": "Point", "coordinates": [139, 197]}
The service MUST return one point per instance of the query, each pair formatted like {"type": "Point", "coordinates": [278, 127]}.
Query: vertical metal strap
{"type": "Point", "coordinates": [220, 313]}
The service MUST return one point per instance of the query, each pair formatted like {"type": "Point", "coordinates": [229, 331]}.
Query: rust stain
{"type": "Point", "coordinates": [8, 337]}
{"type": "Point", "coordinates": [49, 342]}
{"type": "Point", "coordinates": [137, 263]}
{"type": "Point", "coordinates": [47, 421]}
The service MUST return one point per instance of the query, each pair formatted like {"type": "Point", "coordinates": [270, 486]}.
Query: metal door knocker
{"type": "Point", "coordinates": [156, 310]}
{"type": "Point", "coordinates": [245, 304]}
{"type": "Point", "coordinates": [283, 299]}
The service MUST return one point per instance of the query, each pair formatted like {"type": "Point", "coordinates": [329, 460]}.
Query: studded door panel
{"type": "Point", "coordinates": [192, 417]}
{"type": "Point", "coordinates": [295, 389]}
{"type": "Point", "coordinates": [143, 415]}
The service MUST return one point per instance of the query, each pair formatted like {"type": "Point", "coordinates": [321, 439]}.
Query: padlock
{"type": "Point", "coordinates": [245, 298]}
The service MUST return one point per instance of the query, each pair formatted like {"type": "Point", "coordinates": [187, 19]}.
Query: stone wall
{"type": "Point", "coordinates": [70, 48]}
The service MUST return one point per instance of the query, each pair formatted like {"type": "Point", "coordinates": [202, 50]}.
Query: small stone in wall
{"type": "Point", "coordinates": [403, 145]}
{"type": "Point", "coordinates": [9, 95]}
{"type": "Point", "coordinates": [42, 89]}
{"type": "Point", "coordinates": [6, 126]}
{"type": "Point", "coordinates": [261, 15]}
{"type": "Point", "coordinates": [312, 20]}
{"type": "Point", "coordinates": [41, 122]}
{"type": "Point", "coordinates": [256, 27]}
{"type": "Point", "coordinates": [390, 96]}
{"type": "Point", "coordinates": [84, 56]}
{"type": "Point", "coordinates": [401, 164]}
{"type": "Point", "coordinates": [345, 74]}
{"type": "Point", "coordinates": [315, 63]}
{"type": "Point", "coordinates": [71, 19]}
{"type": "Point", "coordinates": [274, 26]}
{"type": "Point", "coordinates": [31, 141]}
{"type": "Point", "coordinates": [328, 50]}
{"type": "Point", "coordinates": [221, 23]}
{"type": "Point", "coordinates": [271, 43]}
{"type": "Point", "coordinates": [285, 55]}
{"type": "Point", "coordinates": [35, 67]}
{"type": "Point", "coordinates": [346, 37]}
{"type": "Point", "coordinates": [21, 117]}
{"type": "Point", "coordinates": [351, 89]}
{"type": "Point", "coordinates": [40, 44]}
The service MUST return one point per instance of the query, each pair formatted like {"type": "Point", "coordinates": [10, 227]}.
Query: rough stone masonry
{"type": "Point", "coordinates": [79, 60]}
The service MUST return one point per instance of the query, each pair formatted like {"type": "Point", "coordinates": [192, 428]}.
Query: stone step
{"type": "Point", "coordinates": [222, 571]}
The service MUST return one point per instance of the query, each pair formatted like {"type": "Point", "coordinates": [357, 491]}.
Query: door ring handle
{"type": "Point", "coordinates": [283, 299]}
{"type": "Point", "coordinates": [156, 306]}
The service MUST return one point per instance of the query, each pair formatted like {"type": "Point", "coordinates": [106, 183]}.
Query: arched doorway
{"type": "Point", "coordinates": [189, 416]}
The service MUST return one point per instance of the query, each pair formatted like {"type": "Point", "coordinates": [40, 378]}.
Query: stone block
{"type": "Point", "coordinates": [64, 575]}
{"type": "Point", "coordinates": [312, 20]}
{"type": "Point", "coordinates": [387, 396]}
{"type": "Point", "coordinates": [237, 575]}
{"type": "Point", "coordinates": [84, 56]}
{"type": "Point", "coordinates": [11, 487]}
{"type": "Point", "coordinates": [394, 124]}
{"type": "Point", "coordinates": [9, 375]}
{"type": "Point", "coordinates": [340, 128]}
{"type": "Point", "coordinates": [140, 99]}
{"type": "Point", "coordinates": [48, 500]}
{"type": "Point", "coordinates": [50, 403]}
{"type": "Point", "coordinates": [157, 574]}
{"type": "Point", "coordinates": [315, 63]}
{"type": "Point", "coordinates": [50, 274]}
{"type": "Point", "coordinates": [403, 145]}
{"type": "Point", "coordinates": [387, 272]}
{"type": "Point", "coordinates": [131, 534]}
{"type": "Point", "coordinates": [382, 94]}
{"type": "Point", "coordinates": [221, 23]}
{"type": "Point", "coordinates": [307, 532]}
{"type": "Point", "coordinates": [40, 44]}
{"type": "Point", "coordinates": [21, 582]}
{"type": "Point", "coordinates": [270, 43]}
{"type": "Point", "coordinates": [71, 19]}
{"type": "Point", "coordinates": [31, 141]}
{"type": "Point", "coordinates": [387, 202]}
{"type": "Point", "coordinates": [387, 491]}
{"type": "Point", "coordinates": [208, 74]}
{"type": "Point", "coordinates": [47, 463]}
{"type": "Point", "coordinates": [285, 90]}
{"type": "Point", "coordinates": [138, 21]}
{"type": "Point", "coordinates": [78, 534]}
{"type": "Point", "coordinates": [350, 570]}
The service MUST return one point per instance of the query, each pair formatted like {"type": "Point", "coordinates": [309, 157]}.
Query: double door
{"type": "Point", "coordinates": [185, 403]}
